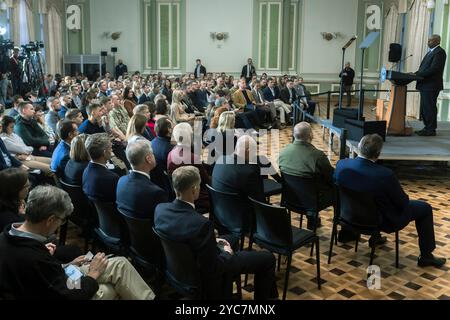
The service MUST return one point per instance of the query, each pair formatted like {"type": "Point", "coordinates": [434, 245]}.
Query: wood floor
{"type": "Point", "coordinates": [345, 278]}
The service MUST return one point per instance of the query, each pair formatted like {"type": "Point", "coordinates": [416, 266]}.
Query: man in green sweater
{"type": "Point", "coordinates": [302, 159]}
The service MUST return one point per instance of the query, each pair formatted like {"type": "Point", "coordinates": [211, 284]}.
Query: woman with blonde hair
{"type": "Point", "coordinates": [136, 128]}
{"type": "Point", "coordinates": [79, 159]}
{"type": "Point", "coordinates": [226, 127]}
{"type": "Point", "coordinates": [177, 112]}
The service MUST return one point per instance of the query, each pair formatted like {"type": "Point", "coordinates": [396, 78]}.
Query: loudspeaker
{"type": "Point", "coordinates": [114, 49]}
{"type": "Point", "coordinates": [356, 129]}
{"type": "Point", "coordinates": [339, 116]}
{"type": "Point", "coordinates": [104, 53]}
{"type": "Point", "coordinates": [395, 52]}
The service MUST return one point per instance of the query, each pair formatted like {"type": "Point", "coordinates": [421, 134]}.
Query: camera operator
{"type": "Point", "coordinates": [14, 68]}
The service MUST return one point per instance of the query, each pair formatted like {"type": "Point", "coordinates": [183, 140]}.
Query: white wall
{"type": "Point", "coordinates": [232, 16]}
{"type": "Point", "coordinates": [117, 16]}
{"type": "Point", "coordinates": [319, 55]}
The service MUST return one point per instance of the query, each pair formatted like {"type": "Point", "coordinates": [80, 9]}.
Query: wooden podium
{"type": "Point", "coordinates": [395, 115]}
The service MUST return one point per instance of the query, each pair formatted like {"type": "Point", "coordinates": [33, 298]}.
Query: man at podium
{"type": "Point", "coordinates": [432, 71]}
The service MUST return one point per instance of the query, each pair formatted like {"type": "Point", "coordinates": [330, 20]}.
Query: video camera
{"type": "Point", "coordinates": [6, 45]}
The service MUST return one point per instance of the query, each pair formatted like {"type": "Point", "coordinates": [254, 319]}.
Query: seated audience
{"type": "Point", "coordinates": [395, 208]}
{"type": "Point", "coordinates": [136, 128]}
{"type": "Point", "coordinates": [162, 145]}
{"type": "Point", "coordinates": [302, 159]}
{"type": "Point", "coordinates": [67, 131]}
{"type": "Point", "coordinates": [137, 195]}
{"type": "Point", "coordinates": [216, 266]}
{"type": "Point", "coordinates": [183, 154]}
{"type": "Point", "coordinates": [129, 101]}
{"type": "Point", "coordinates": [144, 109]}
{"type": "Point", "coordinates": [18, 149]}
{"type": "Point", "coordinates": [30, 271]}
{"type": "Point", "coordinates": [178, 113]}
{"type": "Point", "coordinates": [118, 117]}
{"type": "Point", "coordinates": [161, 110]}
{"type": "Point", "coordinates": [29, 130]}
{"type": "Point", "coordinates": [75, 115]}
{"type": "Point", "coordinates": [272, 94]}
{"type": "Point", "coordinates": [52, 117]}
{"type": "Point", "coordinates": [94, 122]}
{"type": "Point", "coordinates": [16, 100]}
{"type": "Point", "coordinates": [13, 192]}
{"type": "Point", "coordinates": [79, 160]}
{"type": "Point", "coordinates": [99, 183]}
{"type": "Point", "coordinates": [39, 116]}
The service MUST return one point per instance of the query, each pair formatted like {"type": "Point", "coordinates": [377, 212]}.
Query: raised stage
{"type": "Point", "coordinates": [415, 148]}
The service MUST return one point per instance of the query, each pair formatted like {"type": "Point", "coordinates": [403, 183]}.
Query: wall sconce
{"type": "Point", "coordinates": [330, 35]}
{"type": "Point", "coordinates": [219, 35]}
{"type": "Point", "coordinates": [114, 35]}
{"type": "Point", "coordinates": [3, 6]}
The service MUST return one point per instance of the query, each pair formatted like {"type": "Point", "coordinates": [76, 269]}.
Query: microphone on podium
{"type": "Point", "coordinates": [404, 59]}
{"type": "Point", "coordinates": [349, 43]}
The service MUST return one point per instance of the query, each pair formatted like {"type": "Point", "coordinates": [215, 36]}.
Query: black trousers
{"type": "Point", "coordinates": [422, 214]}
{"type": "Point", "coordinates": [428, 109]}
{"type": "Point", "coordinates": [347, 91]}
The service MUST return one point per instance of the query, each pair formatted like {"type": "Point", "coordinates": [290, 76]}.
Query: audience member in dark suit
{"type": "Point", "coordinates": [394, 207]}
{"type": "Point", "coordinates": [121, 69]}
{"type": "Point", "coordinates": [304, 96]}
{"type": "Point", "coordinates": [236, 173]}
{"type": "Point", "coordinates": [94, 122]}
{"type": "Point", "coordinates": [61, 155]}
{"type": "Point", "coordinates": [180, 222]}
{"type": "Point", "coordinates": [272, 95]}
{"type": "Point", "coordinates": [146, 95]}
{"type": "Point", "coordinates": [248, 71]}
{"type": "Point", "coordinates": [302, 159]}
{"type": "Point", "coordinates": [200, 70]}
{"type": "Point", "coordinates": [13, 192]}
{"type": "Point", "coordinates": [7, 160]}
{"type": "Point", "coordinates": [29, 130]}
{"type": "Point", "coordinates": [288, 95]}
{"type": "Point", "coordinates": [99, 183]}
{"type": "Point", "coordinates": [432, 70]}
{"type": "Point", "coordinates": [79, 160]}
{"type": "Point", "coordinates": [137, 195]}
{"type": "Point", "coordinates": [161, 145]}
{"type": "Point", "coordinates": [347, 75]}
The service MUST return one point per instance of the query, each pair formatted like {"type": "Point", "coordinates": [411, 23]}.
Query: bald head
{"type": "Point", "coordinates": [246, 146]}
{"type": "Point", "coordinates": [434, 41]}
{"type": "Point", "coordinates": [303, 132]}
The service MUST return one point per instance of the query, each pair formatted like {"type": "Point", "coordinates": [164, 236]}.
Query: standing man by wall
{"type": "Point", "coordinates": [14, 68]}
{"type": "Point", "coordinates": [248, 71]}
{"type": "Point", "coordinates": [200, 70]}
{"type": "Point", "coordinates": [432, 70]}
{"type": "Point", "coordinates": [347, 75]}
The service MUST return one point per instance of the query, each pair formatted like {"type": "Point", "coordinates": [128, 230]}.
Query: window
{"type": "Point", "coordinates": [168, 35]}
{"type": "Point", "coordinates": [270, 35]}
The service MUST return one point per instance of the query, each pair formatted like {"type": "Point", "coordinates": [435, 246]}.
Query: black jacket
{"type": "Point", "coordinates": [202, 70]}
{"type": "Point", "coordinates": [29, 272]}
{"type": "Point", "coordinates": [432, 70]}
{"type": "Point", "coordinates": [14, 162]}
{"type": "Point", "coordinates": [244, 71]}
{"type": "Point", "coordinates": [8, 216]}
{"type": "Point", "coordinates": [180, 222]}
{"type": "Point", "coordinates": [284, 95]}
{"type": "Point", "coordinates": [73, 173]}
{"type": "Point", "coordinates": [348, 79]}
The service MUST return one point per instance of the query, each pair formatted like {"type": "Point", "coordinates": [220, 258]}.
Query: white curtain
{"type": "Point", "coordinates": [391, 35]}
{"type": "Point", "coordinates": [15, 21]}
{"type": "Point", "coordinates": [419, 25]}
{"type": "Point", "coordinates": [53, 41]}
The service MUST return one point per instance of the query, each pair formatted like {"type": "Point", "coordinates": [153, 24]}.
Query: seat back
{"type": "Point", "coordinates": [230, 211]}
{"type": "Point", "coordinates": [358, 209]}
{"type": "Point", "coordinates": [110, 221]}
{"type": "Point", "coordinates": [181, 266]}
{"type": "Point", "coordinates": [83, 213]}
{"type": "Point", "coordinates": [143, 241]}
{"type": "Point", "coordinates": [299, 193]}
{"type": "Point", "coordinates": [273, 224]}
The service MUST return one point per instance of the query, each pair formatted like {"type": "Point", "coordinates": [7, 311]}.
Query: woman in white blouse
{"type": "Point", "coordinates": [15, 145]}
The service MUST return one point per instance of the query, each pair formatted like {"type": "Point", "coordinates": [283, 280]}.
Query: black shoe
{"type": "Point", "coordinates": [431, 261]}
{"type": "Point", "coordinates": [377, 240]}
{"type": "Point", "coordinates": [426, 133]}
{"type": "Point", "coordinates": [312, 223]}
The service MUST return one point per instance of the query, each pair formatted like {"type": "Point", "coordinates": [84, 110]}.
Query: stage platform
{"type": "Point", "coordinates": [415, 148]}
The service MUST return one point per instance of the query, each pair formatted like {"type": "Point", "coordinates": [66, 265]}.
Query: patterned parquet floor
{"type": "Point", "coordinates": [345, 278]}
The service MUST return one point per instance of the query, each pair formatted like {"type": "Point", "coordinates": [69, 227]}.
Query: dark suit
{"type": "Point", "coordinates": [73, 173]}
{"type": "Point", "coordinates": [269, 96]}
{"type": "Point", "coordinates": [161, 148]}
{"type": "Point", "coordinates": [202, 70]}
{"type": "Point", "coordinates": [60, 158]}
{"type": "Point", "coordinates": [144, 98]}
{"type": "Point", "coordinates": [3, 151]}
{"type": "Point", "coordinates": [244, 179]}
{"type": "Point", "coordinates": [245, 71]}
{"type": "Point", "coordinates": [99, 183]}
{"type": "Point", "coordinates": [395, 209]}
{"type": "Point", "coordinates": [138, 197]}
{"type": "Point", "coordinates": [432, 70]}
{"type": "Point", "coordinates": [180, 222]}
{"type": "Point", "coordinates": [286, 97]}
